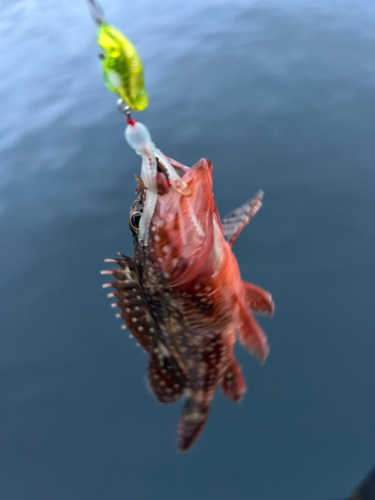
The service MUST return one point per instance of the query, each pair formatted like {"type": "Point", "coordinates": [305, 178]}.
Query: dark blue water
{"type": "Point", "coordinates": [280, 95]}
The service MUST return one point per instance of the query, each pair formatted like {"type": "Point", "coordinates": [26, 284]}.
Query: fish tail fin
{"type": "Point", "coordinates": [233, 383]}
{"type": "Point", "coordinates": [215, 358]}
{"type": "Point", "coordinates": [259, 301]}
{"type": "Point", "coordinates": [193, 419]}
{"type": "Point", "coordinates": [251, 334]}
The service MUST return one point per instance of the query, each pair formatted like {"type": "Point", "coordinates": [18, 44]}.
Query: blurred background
{"type": "Point", "coordinates": [280, 95]}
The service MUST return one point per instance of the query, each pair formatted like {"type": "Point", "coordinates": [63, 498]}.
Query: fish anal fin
{"type": "Point", "coordinates": [259, 301]}
{"type": "Point", "coordinates": [251, 334]}
{"type": "Point", "coordinates": [233, 383]}
{"type": "Point", "coordinates": [166, 381]}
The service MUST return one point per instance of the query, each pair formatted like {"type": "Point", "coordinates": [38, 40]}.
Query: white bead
{"type": "Point", "coordinates": [137, 136]}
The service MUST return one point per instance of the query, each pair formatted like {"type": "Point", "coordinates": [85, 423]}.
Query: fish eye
{"type": "Point", "coordinates": [101, 56]}
{"type": "Point", "coordinates": [135, 219]}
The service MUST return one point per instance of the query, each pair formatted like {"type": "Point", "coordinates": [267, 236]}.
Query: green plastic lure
{"type": "Point", "coordinates": [122, 67]}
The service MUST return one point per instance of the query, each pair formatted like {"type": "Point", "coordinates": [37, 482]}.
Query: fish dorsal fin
{"type": "Point", "coordinates": [165, 369]}
{"type": "Point", "coordinates": [251, 334]}
{"type": "Point", "coordinates": [167, 382]}
{"type": "Point", "coordinates": [234, 222]}
{"type": "Point", "coordinates": [134, 308]}
{"type": "Point", "coordinates": [258, 300]}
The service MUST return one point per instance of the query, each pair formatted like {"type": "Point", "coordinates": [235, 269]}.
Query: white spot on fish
{"type": "Point", "coordinates": [163, 350]}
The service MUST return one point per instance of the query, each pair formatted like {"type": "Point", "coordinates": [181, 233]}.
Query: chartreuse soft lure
{"type": "Point", "coordinates": [123, 70]}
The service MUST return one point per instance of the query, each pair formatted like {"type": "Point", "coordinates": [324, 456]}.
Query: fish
{"type": "Point", "coordinates": [183, 298]}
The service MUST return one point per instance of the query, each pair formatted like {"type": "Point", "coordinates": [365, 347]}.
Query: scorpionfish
{"type": "Point", "coordinates": [183, 299]}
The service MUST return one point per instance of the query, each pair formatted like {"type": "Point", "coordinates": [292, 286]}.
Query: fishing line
{"type": "Point", "coordinates": [96, 11]}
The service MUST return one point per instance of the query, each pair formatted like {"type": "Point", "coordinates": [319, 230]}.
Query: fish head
{"type": "Point", "coordinates": [181, 234]}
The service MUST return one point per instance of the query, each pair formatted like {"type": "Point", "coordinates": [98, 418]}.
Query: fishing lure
{"type": "Point", "coordinates": [122, 66]}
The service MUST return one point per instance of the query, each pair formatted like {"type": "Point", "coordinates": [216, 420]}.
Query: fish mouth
{"type": "Point", "coordinates": [163, 182]}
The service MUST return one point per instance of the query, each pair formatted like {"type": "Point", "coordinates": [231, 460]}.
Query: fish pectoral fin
{"type": "Point", "coordinates": [166, 379]}
{"type": "Point", "coordinates": [234, 222]}
{"type": "Point", "coordinates": [251, 334]}
{"type": "Point", "coordinates": [233, 383]}
{"type": "Point", "coordinates": [258, 300]}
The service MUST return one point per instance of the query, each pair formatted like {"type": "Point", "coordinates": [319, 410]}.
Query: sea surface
{"type": "Point", "coordinates": [280, 95]}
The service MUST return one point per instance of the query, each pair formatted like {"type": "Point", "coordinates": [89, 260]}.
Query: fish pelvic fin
{"type": "Point", "coordinates": [234, 222]}
{"type": "Point", "coordinates": [257, 300]}
{"type": "Point", "coordinates": [233, 383]}
{"type": "Point", "coordinates": [251, 334]}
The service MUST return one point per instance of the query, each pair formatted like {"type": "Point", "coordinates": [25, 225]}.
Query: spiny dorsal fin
{"type": "Point", "coordinates": [234, 222]}
{"type": "Point", "coordinates": [137, 317]}
{"type": "Point", "coordinates": [133, 306]}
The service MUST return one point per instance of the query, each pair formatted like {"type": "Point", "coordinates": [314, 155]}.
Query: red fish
{"type": "Point", "coordinates": [183, 298]}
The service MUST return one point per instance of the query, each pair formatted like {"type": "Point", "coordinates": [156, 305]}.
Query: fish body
{"type": "Point", "coordinates": [183, 298]}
